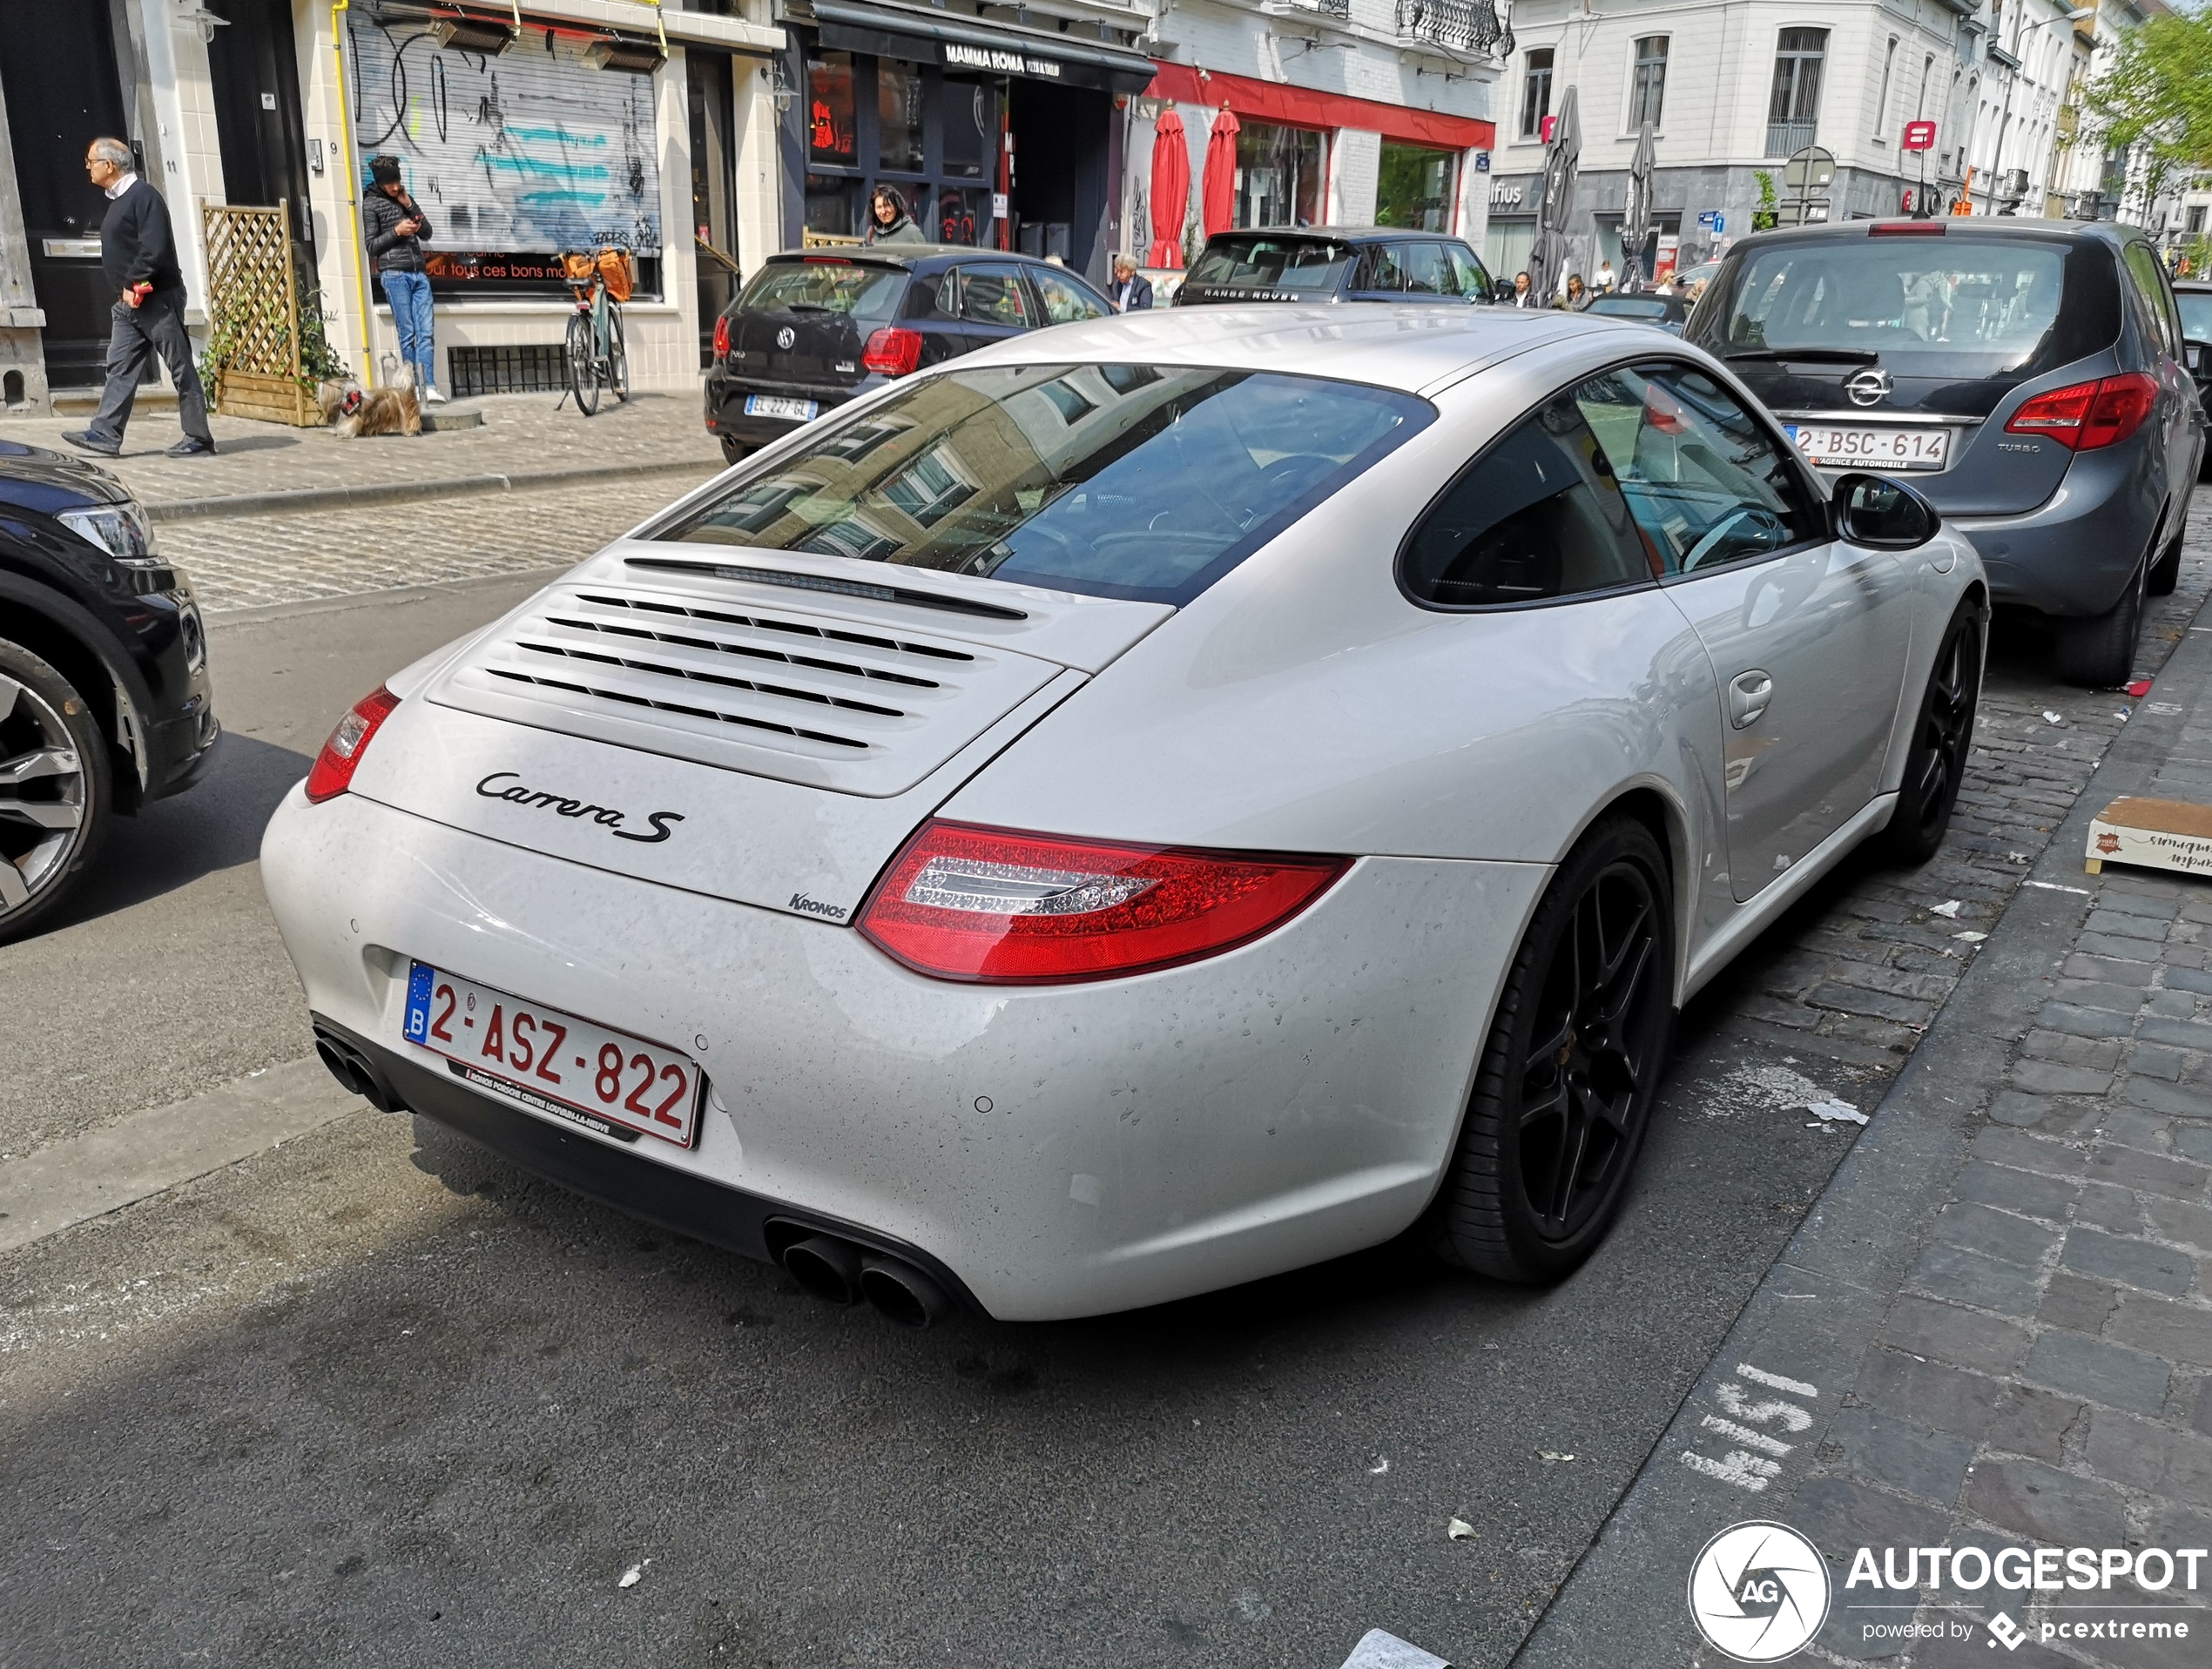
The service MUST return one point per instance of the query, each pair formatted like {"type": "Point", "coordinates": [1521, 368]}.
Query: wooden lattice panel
{"type": "Point", "coordinates": [252, 310]}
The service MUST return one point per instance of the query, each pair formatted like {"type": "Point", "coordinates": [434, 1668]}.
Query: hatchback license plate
{"type": "Point", "coordinates": [1829, 445]}
{"type": "Point", "coordinates": [800, 411]}
{"type": "Point", "coordinates": [553, 1063]}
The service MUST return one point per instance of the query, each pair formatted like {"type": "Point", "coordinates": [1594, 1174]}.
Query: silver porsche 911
{"type": "Point", "coordinates": [1155, 804]}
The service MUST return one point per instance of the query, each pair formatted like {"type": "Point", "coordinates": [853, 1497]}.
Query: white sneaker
{"type": "Point", "coordinates": [431, 396]}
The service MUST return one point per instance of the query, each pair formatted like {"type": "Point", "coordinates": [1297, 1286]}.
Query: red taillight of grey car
{"type": "Point", "coordinates": [995, 906]}
{"type": "Point", "coordinates": [332, 772]}
{"type": "Point", "coordinates": [2089, 415]}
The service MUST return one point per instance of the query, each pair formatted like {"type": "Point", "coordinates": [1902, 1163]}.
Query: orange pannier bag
{"type": "Point", "coordinates": [578, 268]}
{"type": "Point", "coordinates": [614, 266]}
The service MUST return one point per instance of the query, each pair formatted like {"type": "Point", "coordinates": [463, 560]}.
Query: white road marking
{"type": "Point", "coordinates": [1746, 1471]}
{"type": "Point", "coordinates": [1775, 1382]}
{"type": "Point", "coordinates": [2053, 886]}
{"type": "Point", "coordinates": [1744, 1434]}
{"type": "Point", "coordinates": [1731, 1397]}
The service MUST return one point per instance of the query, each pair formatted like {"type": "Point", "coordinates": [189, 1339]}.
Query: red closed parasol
{"type": "Point", "coordinates": [1218, 199]}
{"type": "Point", "coordinates": [1170, 191]}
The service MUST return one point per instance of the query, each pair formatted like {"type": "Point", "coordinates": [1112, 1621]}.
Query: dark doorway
{"type": "Point", "coordinates": [1061, 136]}
{"type": "Point", "coordinates": [58, 71]}
{"type": "Point", "coordinates": [254, 66]}
{"type": "Point", "coordinates": [714, 214]}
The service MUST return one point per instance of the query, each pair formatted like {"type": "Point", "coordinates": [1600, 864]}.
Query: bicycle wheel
{"type": "Point", "coordinates": [618, 355]}
{"type": "Point", "coordinates": [583, 364]}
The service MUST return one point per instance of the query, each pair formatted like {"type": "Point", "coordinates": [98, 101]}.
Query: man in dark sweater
{"type": "Point", "coordinates": [138, 255]}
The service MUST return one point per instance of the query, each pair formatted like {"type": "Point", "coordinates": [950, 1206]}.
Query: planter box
{"type": "Point", "coordinates": [271, 399]}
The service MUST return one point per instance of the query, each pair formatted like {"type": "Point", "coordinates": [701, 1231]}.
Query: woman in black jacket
{"type": "Point", "coordinates": [396, 228]}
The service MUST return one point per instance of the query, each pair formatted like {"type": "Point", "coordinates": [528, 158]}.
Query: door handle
{"type": "Point", "coordinates": [1748, 695]}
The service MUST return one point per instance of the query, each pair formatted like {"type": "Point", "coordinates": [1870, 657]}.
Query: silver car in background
{"type": "Point", "coordinates": [2029, 376]}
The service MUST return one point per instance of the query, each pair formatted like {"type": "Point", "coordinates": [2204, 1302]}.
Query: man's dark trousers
{"type": "Point", "coordinates": [155, 326]}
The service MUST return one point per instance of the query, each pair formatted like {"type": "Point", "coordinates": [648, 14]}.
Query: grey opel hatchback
{"type": "Point", "coordinates": [2031, 377]}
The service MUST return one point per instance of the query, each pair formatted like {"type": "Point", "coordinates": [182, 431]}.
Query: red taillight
{"type": "Point", "coordinates": [1003, 908]}
{"type": "Point", "coordinates": [892, 352]}
{"type": "Point", "coordinates": [722, 339]}
{"type": "Point", "coordinates": [2087, 415]}
{"type": "Point", "coordinates": [333, 768]}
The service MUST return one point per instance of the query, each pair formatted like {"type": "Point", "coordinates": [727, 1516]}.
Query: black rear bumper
{"type": "Point", "coordinates": [674, 1200]}
{"type": "Point", "coordinates": [726, 412]}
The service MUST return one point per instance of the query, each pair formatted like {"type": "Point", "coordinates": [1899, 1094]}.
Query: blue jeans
{"type": "Point", "coordinates": [409, 294]}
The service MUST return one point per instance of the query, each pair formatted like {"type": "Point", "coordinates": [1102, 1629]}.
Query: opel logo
{"type": "Point", "coordinates": [787, 336]}
{"type": "Point", "coordinates": [1870, 388]}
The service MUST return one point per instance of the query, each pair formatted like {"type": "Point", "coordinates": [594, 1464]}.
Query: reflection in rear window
{"type": "Point", "coordinates": [824, 286]}
{"type": "Point", "coordinates": [1112, 481]}
{"type": "Point", "coordinates": [1273, 263]}
{"type": "Point", "coordinates": [1986, 303]}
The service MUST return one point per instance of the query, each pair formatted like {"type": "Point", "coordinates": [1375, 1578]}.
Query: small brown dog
{"type": "Point", "coordinates": [350, 410]}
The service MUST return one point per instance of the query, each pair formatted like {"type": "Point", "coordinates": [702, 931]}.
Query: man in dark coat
{"type": "Point", "coordinates": [138, 257]}
{"type": "Point", "coordinates": [1131, 291]}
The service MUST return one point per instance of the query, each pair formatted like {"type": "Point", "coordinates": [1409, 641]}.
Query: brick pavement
{"type": "Point", "coordinates": [522, 434]}
{"type": "Point", "coordinates": [250, 562]}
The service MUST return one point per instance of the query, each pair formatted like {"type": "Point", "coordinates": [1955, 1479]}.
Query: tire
{"type": "Point", "coordinates": [55, 789]}
{"type": "Point", "coordinates": [2166, 573]}
{"type": "Point", "coordinates": [2100, 652]}
{"type": "Point", "coordinates": [1552, 1127]}
{"type": "Point", "coordinates": [735, 451]}
{"type": "Point", "coordinates": [583, 364]}
{"type": "Point", "coordinates": [617, 357]}
{"type": "Point", "coordinates": [1943, 736]}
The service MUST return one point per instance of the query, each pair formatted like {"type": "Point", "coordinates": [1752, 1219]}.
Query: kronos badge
{"type": "Point", "coordinates": [1759, 1592]}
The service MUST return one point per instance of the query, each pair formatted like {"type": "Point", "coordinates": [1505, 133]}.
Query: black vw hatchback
{"type": "Point", "coordinates": [105, 702]}
{"type": "Point", "coordinates": [2032, 377]}
{"type": "Point", "coordinates": [813, 328]}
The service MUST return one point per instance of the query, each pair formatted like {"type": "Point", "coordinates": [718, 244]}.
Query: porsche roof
{"type": "Point", "coordinates": [1408, 347]}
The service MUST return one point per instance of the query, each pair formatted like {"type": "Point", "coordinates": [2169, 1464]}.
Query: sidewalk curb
{"type": "Point", "coordinates": [291, 501]}
{"type": "Point", "coordinates": [1814, 1315]}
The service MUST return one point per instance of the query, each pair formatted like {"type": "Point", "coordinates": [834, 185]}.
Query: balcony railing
{"type": "Point", "coordinates": [1786, 138]}
{"type": "Point", "coordinates": [1471, 25]}
{"type": "Point", "coordinates": [1339, 10]}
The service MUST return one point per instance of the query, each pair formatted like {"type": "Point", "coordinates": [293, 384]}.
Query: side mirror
{"type": "Point", "coordinates": [1502, 292]}
{"type": "Point", "coordinates": [1882, 513]}
{"type": "Point", "coordinates": [2198, 357]}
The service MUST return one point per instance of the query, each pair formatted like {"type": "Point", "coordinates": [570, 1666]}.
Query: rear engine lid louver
{"type": "Point", "coordinates": [853, 706]}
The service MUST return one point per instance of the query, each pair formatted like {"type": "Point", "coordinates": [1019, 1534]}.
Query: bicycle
{"type": "Point", "coordinates": [596, 356]}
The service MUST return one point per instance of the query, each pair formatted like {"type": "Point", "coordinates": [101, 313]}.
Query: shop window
{"type": "Point", "coordinates": [1647, 96]}
{"type": "Point", "coordinates": [963, 215]}
{"type": "Point", "coordinates": [1414, 187]}
{"type": "Point", "coordinates": [971, 122]}
{"type": "Point", "coordinates": [898, 117]}
{"type": "Point", "coordinates": [832, 205]}
{"type": "Point", "coordinates": [831, 136]}
{"type": "Point", "coordinates": [1279, 171]}
{"type": "Point", "coordinates": [1535, 91]}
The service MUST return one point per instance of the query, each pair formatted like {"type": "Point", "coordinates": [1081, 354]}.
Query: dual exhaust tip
{"type": "Point", "coordinates": [846, 1273]}
{"type": "Point", "coordinates": [355, 1072]}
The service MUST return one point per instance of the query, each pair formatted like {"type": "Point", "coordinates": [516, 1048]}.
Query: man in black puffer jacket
{"type": "Point", "coordinates": [138, 255]}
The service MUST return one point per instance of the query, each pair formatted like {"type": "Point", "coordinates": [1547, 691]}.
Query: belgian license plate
{"type": "Point", "coordinates": [553, 1063]}
{"type": "Point", "coordinates": [1831, 445]}
{"type": "Point", "coordinates": [800, 411]}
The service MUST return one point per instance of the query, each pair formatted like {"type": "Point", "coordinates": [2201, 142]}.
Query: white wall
{"type": "Point", "coordinates": [1355, 165]}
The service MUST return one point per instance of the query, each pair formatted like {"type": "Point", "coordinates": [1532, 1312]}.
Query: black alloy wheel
{"type": "Point", "coordinates": [1563, 1091]}
{"type": "Point", "coordinates": [1943, 736]}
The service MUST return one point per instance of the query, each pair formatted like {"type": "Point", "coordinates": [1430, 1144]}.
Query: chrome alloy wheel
{"type": "Point", "coordinates": [42, 796]}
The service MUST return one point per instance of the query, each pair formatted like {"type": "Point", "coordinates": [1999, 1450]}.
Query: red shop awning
{"type": "Point", "coordinates": [1272, 101]}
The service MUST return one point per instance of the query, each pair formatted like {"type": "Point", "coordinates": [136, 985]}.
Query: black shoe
{"type": "Point", "coordinates": [85, 440]}
{"type": "Point", "coordinates": [190, 446]}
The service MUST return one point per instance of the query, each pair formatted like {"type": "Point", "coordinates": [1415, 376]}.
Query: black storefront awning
{"type": "Point", "coordinates": [960, 42]}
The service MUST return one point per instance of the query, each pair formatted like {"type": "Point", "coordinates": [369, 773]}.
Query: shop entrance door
{"type": "Point", "coordinates": [58, 73]}
{"type": "Point", "coordinates": [254, 68]}
{"type": "Point", "coordinates": [1061, 136]}
{"type": "Point", "coordinates": [714, 217]}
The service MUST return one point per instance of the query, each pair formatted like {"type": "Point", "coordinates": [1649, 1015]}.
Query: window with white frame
{"type": "Point", "coordinates": [1648, 91]}
{"type": "Point", "coordinates": [1535, 91]}
{"type": "Point", "coordinates": [1882, 102]}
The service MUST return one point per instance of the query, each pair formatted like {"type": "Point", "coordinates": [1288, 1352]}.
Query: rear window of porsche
{"type": "Point", "coordinates": [1140, 481]}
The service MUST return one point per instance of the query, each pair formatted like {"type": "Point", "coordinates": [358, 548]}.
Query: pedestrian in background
{"type": "Point", "coordinates": [1603, 282]}
{"type": "Point", "coordinates": [1577, 296]}
{"type": "Point", "coordinates": [889, 221]}
{"type": "Point", "coordinates": [138, 258]}
{"type": "Point", "coordinates": [396, 229]}
{"type": "Point", "coordinates": [1520, 296]}
{"type": "Point", "coordinates": [1131, 291]}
